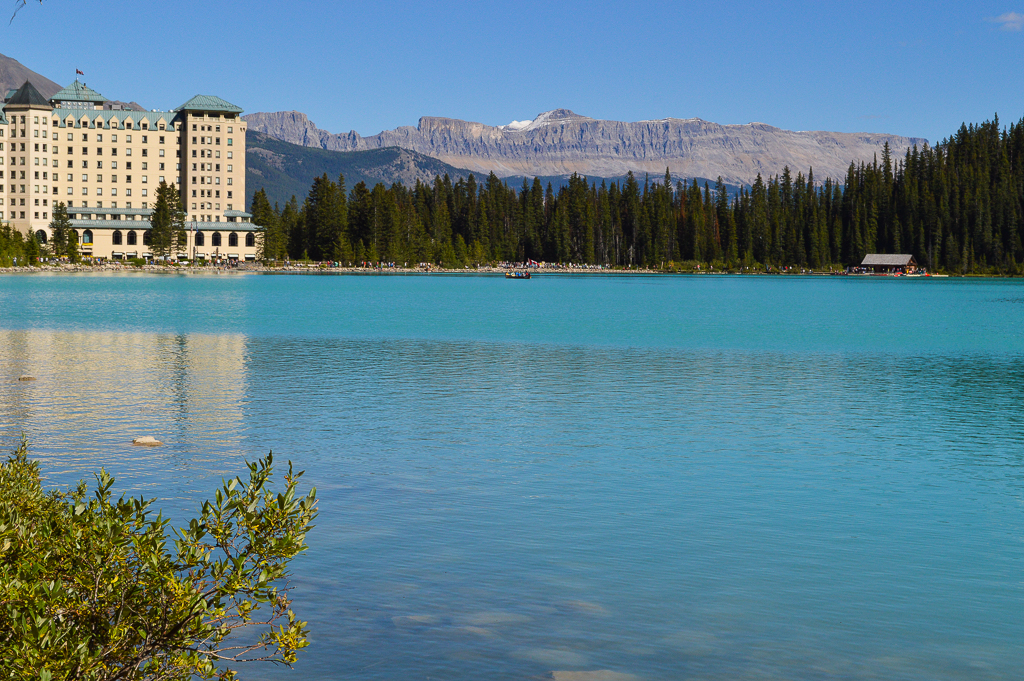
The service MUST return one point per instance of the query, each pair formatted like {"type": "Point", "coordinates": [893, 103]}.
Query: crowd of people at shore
{"type": "Point", "coordinates": [368, 267]}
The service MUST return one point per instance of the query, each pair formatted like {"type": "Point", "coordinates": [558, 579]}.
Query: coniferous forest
{"type": "Point", "coordinates": [957, 207]}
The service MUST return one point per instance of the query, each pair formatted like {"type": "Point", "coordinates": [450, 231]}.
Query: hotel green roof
{"type": "Point", "coordinates": [27, 95]}
{"type": "Point", "coordinates": [78, 92]}
{"type": "Point", "coordinates": [208, 103]}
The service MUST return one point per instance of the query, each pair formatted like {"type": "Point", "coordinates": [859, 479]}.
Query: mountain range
{"type": "Point", "coordinates": [284, 170]}
{"type": "Point", "coordinates": [287, 150]}
{"type": "Point", "coordinates": [561, 142]}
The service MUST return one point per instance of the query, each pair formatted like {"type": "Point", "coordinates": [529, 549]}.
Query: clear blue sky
{"type": "Point", "coordinates": [912, 68]}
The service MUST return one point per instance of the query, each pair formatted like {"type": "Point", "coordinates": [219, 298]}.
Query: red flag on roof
{"type": "Point", "coordinates": [79, 72]}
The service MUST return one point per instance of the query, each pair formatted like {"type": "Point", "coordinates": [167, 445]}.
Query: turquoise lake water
{"type": "Point", "coordinates": [661, 477]}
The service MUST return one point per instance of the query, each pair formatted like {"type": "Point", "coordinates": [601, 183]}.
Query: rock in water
{"type": "Point", "coordinates": [146, 441]}
{"type": "Point", "coordinates": [598, 675]}
{"type": "Point", "coordinates": [26, 377]}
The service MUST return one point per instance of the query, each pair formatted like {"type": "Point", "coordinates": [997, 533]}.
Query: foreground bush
{"type": "Point", "coordinates": [100, 589]}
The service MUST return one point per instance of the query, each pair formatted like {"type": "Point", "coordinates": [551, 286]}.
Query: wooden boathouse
{"type": "Point", "coordinates": [879, 263]}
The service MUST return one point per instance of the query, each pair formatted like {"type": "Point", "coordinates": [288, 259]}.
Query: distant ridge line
{"type": "Point", "coordinates": [560, 142]}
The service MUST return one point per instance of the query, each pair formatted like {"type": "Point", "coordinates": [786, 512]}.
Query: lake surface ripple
{"type": "Point", "coordinates": [661, 477]}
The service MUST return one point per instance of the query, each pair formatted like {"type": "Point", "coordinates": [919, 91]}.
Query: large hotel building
{"type": "Point", "coordinates": [105, 164]}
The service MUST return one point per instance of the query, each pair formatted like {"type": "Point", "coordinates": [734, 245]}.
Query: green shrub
{"type": "Point", "coordinates": [98, 589]}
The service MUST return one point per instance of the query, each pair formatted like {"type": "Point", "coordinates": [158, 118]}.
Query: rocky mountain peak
{"type": "Point", "coordinates": [561, 142]}
{"type": "Point", "coordinates": [13, 74]}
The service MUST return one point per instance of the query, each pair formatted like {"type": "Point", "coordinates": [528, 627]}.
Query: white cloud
{"type": "Point", "coordinates": [1011, 21]}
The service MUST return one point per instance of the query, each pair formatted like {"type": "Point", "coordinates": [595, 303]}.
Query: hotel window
{"type": "Point", "coordinates": [99, 191]}
{"type": "Point", "coordinates": [250, 240]}
{"type": "Point", "coordinates": [229, 181]}
{"type": "Point", "coordinates": [145, 192]}
{"type": "Point", "coordinates": [85, 137]}
{"type": "Point", "coordinates": [145, 166]}
{"type": "Point", "coordinates": [85, 164]}
{"type": "Point", "coordinates": [113, 192]}
{"type": "Point", "coordinates": [113, 178]}
{"type": "Point", "coordinates": [35, 133]}
{"type": "Point", "coordinates": [128, 151]}
{"type": "Point", "coordinates": [70, 177]}
{"type": "Point", "coordinates": [144, 179]}
{"type": "Point", "coordinates": [230, 168]}
{"type": "Point", "coordinates": [70, 191]}
{"type": "Point", "coordinates": [232, 240]}
{"type": "Point", "coordinates": [216, 239]}
{"type": "Point", "coordinates": [200, 239]}
{"type": "Point", "coordinates": [161, 179]}
{"type": "Point", "coordinates": [116, 237]}
{"type": "Point", "coordinates": [145, 138]}
{"type": "Point", "coordinates": [229, 141]}
{"type": "Point", "coordinates": [132, 238]}
{"type": "Point", "coordinates": [85, 178]}
{"type": "Point", "coordinates": [128, 139]}
{"type": "Point", "coordinates": [71, 138]}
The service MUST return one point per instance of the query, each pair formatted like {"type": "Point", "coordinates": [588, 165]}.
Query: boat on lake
{"type": "Point", "coordinates": [517, 275]}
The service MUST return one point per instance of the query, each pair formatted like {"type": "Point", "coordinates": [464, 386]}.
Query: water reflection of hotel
{"type": "Point", "coordinates": [107, 386]}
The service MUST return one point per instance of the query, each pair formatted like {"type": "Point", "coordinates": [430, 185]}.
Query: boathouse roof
{"type": "Point", "coordinates": [881, 259]}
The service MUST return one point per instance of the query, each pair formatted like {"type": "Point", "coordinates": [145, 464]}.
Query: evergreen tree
{"type": "Point", "coordinates": [60, 230]}
{"type": "Point", "coordinates": [167, 234]}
